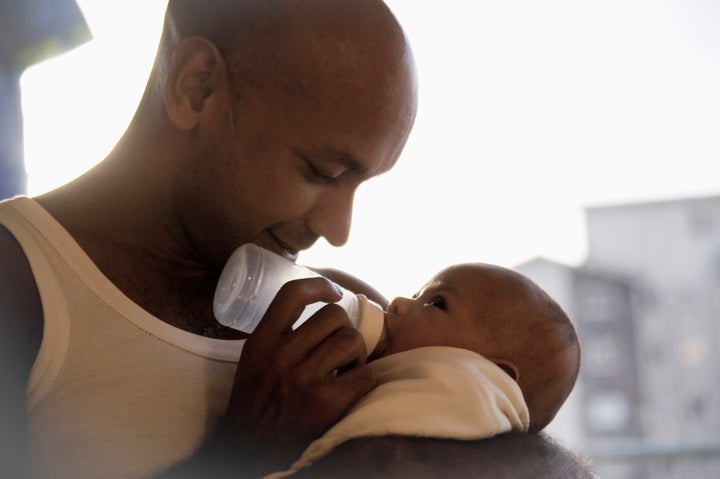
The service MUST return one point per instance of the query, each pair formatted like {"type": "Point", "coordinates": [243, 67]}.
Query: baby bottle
{"type": "Point", "coordinates": [252, 277]}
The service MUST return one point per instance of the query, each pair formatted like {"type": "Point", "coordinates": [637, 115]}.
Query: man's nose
{"type": "Point", "coordinates": [400, 306]}
{"type": "Point", "coordinates": [332, 217]}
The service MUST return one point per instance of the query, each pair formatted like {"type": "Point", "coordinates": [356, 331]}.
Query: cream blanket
{"type": "Point", "coordinates": [437, 392]}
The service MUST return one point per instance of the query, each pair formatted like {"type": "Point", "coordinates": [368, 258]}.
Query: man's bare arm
{"type": "Point", "coordinates": [21, 323]}
{"type": "Point", "coordinates": [351, 283]}
{"type": "Point", "coordinates": [513, 455]}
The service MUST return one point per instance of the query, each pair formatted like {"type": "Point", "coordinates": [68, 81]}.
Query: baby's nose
{"type": "Point", "coordinates": [400, 305]}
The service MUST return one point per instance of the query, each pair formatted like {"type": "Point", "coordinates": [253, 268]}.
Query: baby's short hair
{"type": "Point", "coordinates": [550, 368]}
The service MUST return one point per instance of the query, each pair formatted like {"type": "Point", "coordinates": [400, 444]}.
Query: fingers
{"type": "Point", "coordinates": [280, 393]}
{"type": "Point", "coordinates": [356, 382]}
{"type": "Point", "coordinates": [290, 386]}
{"type": "Point", "coordinates": [335, 368]}
{"type": "Point", "coordinates": [325, 343]}
{"type": "Point", "coordinates": [335, 395]}
{"type": "Point", "coordinates": [331, 341]}
{"type": "Point", "coordinates": [290, 301]}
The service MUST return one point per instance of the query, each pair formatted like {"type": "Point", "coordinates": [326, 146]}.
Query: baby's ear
{"type": "Point", "coordinates": [509, 367]}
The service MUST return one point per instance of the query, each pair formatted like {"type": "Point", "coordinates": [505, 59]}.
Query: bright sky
{"type": "Point", "coordinates": [529, 112]}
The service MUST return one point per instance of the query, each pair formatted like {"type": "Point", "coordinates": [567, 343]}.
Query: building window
{"type": "Point", "coordinates": [602, 357]}
{"type": "Point", "coordinates": [608, 412]}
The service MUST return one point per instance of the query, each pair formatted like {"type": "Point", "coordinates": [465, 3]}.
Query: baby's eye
{"type": "Point", "coordinates": [437, 302]}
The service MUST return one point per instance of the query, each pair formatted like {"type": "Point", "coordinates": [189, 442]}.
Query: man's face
{"type": "Point", "coordinates": [282, 163]}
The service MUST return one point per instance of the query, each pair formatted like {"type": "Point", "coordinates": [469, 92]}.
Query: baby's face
{"type": "Point", "coordinates": [455, 308]}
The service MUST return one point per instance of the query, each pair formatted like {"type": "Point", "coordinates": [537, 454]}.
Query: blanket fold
{"type": "Point", "coordinates": [438, 392]}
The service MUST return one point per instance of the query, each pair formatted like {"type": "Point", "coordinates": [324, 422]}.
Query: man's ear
{"type": "Point", "coordinates": [196, 71]}
{"type": "Point", "coordinates": [509, 367]}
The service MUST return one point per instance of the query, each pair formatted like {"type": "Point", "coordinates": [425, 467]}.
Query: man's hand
{"type": "Point", "coordinates": [291, 386]}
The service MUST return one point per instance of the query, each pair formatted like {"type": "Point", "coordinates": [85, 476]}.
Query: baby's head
{"type": "Point", "coordinates": [500, 314]}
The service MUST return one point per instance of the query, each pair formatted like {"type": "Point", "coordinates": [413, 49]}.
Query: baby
{"type": "Point", "coordinates": [478, 351]}
{"type": "Point", "coordinates": [501, 315]}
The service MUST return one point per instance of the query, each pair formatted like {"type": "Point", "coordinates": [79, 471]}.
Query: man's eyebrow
{"type": "Point", "coordinates": [346, 158]}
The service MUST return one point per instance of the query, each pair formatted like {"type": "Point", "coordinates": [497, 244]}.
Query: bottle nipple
{"type": "Point", "coordinates": [371, 323]}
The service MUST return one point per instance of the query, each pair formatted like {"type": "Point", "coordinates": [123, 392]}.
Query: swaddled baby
{"type": "Point", "coordinates": [478, 351]}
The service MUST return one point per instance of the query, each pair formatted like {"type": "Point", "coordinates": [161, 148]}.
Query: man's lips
{"type": "Point", "coordinates": [280, 247]}
{"type": "Point", "coordinates": [287, 244]}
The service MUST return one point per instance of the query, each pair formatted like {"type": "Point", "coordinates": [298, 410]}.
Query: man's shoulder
{"type": "Point", "coordinates": [516, 455]}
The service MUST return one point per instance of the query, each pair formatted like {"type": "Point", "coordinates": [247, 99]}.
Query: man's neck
{"type": "Point", "coordinates": [134, 241]}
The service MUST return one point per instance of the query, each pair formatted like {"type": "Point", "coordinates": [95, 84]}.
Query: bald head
{"type": "Point", "coordinates": [327, 53]}
{"type": "Point", "coordinates": [222, 20]}
{"type": "Point", "coordinates": [358, 42]}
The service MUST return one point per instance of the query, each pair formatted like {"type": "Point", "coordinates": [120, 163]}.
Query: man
{"type": "Point", "coordinates": [259, 121]}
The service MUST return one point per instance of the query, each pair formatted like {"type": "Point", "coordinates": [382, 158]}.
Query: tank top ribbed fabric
{"type": "Point", "coordinates": [114, 392]}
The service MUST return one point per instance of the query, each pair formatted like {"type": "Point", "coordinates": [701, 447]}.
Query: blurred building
{"type": "Point", "coordinates": [646, 305]}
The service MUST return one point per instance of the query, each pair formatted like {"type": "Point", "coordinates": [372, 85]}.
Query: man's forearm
{"type": "Point", "coordinates": [223, 456]}
{"type": "Point", "coordinates": [514, 455]}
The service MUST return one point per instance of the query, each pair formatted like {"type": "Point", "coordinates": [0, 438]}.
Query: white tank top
{"type": "Point", "coordinates": [114, 392]}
